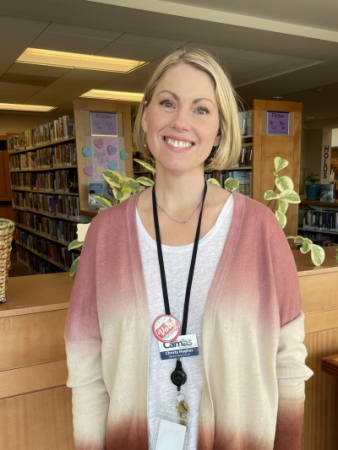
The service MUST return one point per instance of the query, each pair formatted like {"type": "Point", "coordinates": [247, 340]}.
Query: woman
{"type": "Point", "coordinates": [245, 388]}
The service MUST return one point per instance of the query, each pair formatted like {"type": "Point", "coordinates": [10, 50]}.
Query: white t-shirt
{"type": "Point", "coordinates": [177, 264]}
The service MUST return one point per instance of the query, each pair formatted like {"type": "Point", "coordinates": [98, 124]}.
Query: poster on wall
{"type": "Point", "coordinates": [277, 123]}
{"type": "Point", "coordinates": [103, 124]}
{"type": "Point", "coordinates": [105, 155]}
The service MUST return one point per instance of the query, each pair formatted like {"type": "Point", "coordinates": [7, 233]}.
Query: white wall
{"type": "Point", "coordinates": [334, 137]}
{"type": "Point", "coordinates": [15, 123]}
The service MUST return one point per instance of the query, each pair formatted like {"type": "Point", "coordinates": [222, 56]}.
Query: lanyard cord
{"type": "Point", "coordinates": [192, 265]}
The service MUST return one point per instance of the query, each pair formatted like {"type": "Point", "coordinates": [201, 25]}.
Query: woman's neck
{"type": "Point", "coordinates": [178, 191]}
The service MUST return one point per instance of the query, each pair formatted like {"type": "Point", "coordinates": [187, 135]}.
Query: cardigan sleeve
{"type": "Point", "coordinates": [291, 354]}
{"type": "Point", "coordinates": [90, 399]}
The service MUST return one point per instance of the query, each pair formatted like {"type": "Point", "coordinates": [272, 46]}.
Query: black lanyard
{"type": "Point", "coordinates": [192, 265]}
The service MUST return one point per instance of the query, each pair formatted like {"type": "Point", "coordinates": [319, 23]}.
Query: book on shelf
{"type": "Point", "coordinates": [62, 231]}
{"type": "Point", "coordinates": [54, 205]}
{"type": "Point", "coordinates": [328, 192]}
{"type": "Point", "coordinates": [47, 249]}
{"type": "Point", "coordinates": [320, 220]}
{"type": "Point", "coordinates": [60, 155]}
{"type": "Point", "coordinates": [243, 176]}
{"type": "Point", "coordinates": [245, 158]}
{"type": "Point", "coordinates": [61, 181]}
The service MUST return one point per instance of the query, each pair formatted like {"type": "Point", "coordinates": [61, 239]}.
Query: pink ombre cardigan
{"type": "Point", "coordinates": [253, 331]}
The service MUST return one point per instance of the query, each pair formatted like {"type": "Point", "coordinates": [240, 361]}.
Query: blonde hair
{"type": "Point", "coordinates": [227, 153]}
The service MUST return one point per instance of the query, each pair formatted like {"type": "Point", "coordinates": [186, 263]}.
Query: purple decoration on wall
{"type": "Point", "coordinates": [278, 123]}
{"type": "Point", "coordinates": [103, 124]}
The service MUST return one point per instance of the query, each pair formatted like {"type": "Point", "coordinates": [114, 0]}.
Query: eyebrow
{"type": "Point", "coordinates": [195, 101]}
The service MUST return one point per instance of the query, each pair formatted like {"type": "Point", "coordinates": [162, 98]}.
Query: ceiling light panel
{"type": "Point", "coordinates": [16, 107]}
{"type": "Point", "coordinates": [114, 95]}
{"type": "Point", "coordinates": [77, 61]}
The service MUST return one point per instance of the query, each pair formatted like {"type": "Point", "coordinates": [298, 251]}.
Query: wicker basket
{"type": "Point", "coordinates": [6, 237]}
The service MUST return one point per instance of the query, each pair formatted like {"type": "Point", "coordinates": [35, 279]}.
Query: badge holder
{"type": "Point", "coordinates": [172, 425]}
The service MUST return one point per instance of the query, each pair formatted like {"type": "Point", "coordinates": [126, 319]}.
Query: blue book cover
{"type": "Point", "coordinates": [96, 189]}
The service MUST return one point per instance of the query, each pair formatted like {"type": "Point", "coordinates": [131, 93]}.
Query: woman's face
{"type": "Point", "coordinates": [182, 119]}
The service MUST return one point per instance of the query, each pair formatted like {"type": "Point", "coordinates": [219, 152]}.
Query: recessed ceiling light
{"type": "Point", "coordinates": [16, 107]}
{"type": "Point", "coordinates": [77, 61]}
{"type": "Point", "coordinates": [114, 95]}
{"type": "Point", "coordinates": [277, 97]}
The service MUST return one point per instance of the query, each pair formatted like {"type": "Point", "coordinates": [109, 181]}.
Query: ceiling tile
{"type": "Point", "coordinates": [243, 65]}
{"type": "Point", "coordinates": [71, 30]}
{"type": "Point", "coordinates": [75, 44]}
{"type": "Point", "coordinates": [218, 51]}
{"type": "Point", "coordinates": [21, 24]}
{"type": "Point", "coordinates": [32, 80]}
{"type": "Point", "coordinates": [133, 51]}
{"type": "Point", "coordinates": [33, 69]}
{"type": "Point", "coordinates": [16, 93]}
{"type": "Point", "coordinates": [150, 41]}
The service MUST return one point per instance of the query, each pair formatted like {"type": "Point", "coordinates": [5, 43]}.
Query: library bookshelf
{"type": "Point", "coordinates": [46, 212]}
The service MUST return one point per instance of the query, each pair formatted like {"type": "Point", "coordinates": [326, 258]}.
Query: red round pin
{"type": "Point", "coordinates": [166, 328]}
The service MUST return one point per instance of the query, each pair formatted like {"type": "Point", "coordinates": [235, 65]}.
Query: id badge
{"type": "Point", "coordinates": [183, 346]}
{"type": "Point", "coordinates": [172, 426]}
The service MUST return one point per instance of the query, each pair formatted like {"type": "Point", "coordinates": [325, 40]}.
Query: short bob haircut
{"type": "Point", "coordinates": [227, 153]}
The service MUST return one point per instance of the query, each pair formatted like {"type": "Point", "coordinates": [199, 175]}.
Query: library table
{"type": "Point", "coordinates": [35, 404]}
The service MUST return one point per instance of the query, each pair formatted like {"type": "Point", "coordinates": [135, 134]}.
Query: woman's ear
{"type": "Point", "coordinates": [144, 121]}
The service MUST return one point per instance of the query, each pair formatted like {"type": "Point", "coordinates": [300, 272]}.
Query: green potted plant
{"type": "Point", "coordinates": [312, 189]}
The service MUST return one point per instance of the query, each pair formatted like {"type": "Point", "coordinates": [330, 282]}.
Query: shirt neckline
{"type": "Point", "coordinates": [188, 247]}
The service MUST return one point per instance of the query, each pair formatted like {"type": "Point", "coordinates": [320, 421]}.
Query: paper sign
{"type": "Point", "coordinates": [94, 188]}
{"type": "Point", "coordinates": [170, 436]}
{"type": "Point", "coordinates": [278, 123]}
{"type": "Point", "coordinates": [103, 124]}
{"type": "Point", "coordinates": [105, 155]}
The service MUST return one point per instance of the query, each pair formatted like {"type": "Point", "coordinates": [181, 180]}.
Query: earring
{"type": "Point", "coordinates": [145, 144]}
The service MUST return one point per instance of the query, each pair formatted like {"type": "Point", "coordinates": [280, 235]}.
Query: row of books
{"type": "Point", "coordinates": [35, 262]}
{"type": "Point", "coordinates": [243, 176]}
{"type": "Point", "coordinates": [245, 158]}
{"type": "Point", "coordinates": [62, 128]}
{"type": "Point", "coordinates": [56, 205]}
{"type": "Point", "coordinates": [59, 181]}
{"type": "Point", "coordinates": [59, 230]}
{"type": "Point", "coordinates": [320, 220]}
{"type": "Point", "coordinates": [46, 158]}
{"type": "Point", "coordinates": [50, 250]}
{"type": "Point", "coordinates": [245, 122]}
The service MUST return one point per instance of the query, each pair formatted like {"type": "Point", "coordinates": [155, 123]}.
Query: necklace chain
{"type": "Point", "coordinates": [185, 221]}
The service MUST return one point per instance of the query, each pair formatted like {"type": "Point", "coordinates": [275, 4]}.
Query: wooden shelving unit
{"type": "Point", "coordinates": [44, 192]}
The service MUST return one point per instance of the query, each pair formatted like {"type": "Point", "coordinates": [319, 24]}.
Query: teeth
{"type": "Point", "coordinates": [179, 144]}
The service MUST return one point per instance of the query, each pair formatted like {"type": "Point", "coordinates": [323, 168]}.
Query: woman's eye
{"type": "Point", "coordinates": [166, 103]}
{"type": "Point", "coordinates": [202, 110]}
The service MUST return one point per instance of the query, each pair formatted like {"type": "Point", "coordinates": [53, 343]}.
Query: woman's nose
{"type": "Point", "coordinates": [181, 120]}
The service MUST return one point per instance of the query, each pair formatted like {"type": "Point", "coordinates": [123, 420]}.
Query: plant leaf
{"type": "Point", "coordinates": [317, 255]}
{"type": "Point", "coordinates": [120, 196]}
{"type": "Point", "coordinates": [104, 201]}
{"type": "Point", "coordinates": [281, 218]}
{"type": "Point", "coordinates": [213, 181]}
{"type": "Point", "coordinates": [82, 229]}
{"type": "Point", "coordinates": [299, 239]}
{"type": "Point", "coordinates": [306, 246]}
{"type": "Point", "coordinates": [75, 244]}
{"type": "Point", "coordinates": [280, 163]}
{"type": "Point", "coordinates": [270, 195]}
{"type": "Point", "coordinates": [126, 189]}
{"type": "Point", "coordinates": [113, 178]}
{"type": "Point", "coordinates": [282, 206]}
{"type": "Point", "coordinates": [290, 196]}
{"type": "Point", "coordinates": [146, 165]}
{"type": "Point", "coordinates": [145, 181]}
{"type": "Point", "coordinates": [75, 266]}
{"type": "Point", "coordinates": [231, 184]}
{"type": "Point", "coordinates": [130, 183]}
{"type": "Point", "coordinates": [284, 183]}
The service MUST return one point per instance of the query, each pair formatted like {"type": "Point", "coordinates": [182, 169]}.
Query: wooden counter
{"type": "Point", "coordinates": [35, 404]}
{"type": "Point", "coordinates": [319, 289]}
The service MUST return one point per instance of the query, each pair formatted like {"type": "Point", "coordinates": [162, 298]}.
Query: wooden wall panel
{"type": "Point", "coordinates": [44, 421]}
{"type": "Point", "coordinates": [328, 298]}
{"type": "Point", "coordinates": [320, 431]}
{"type": "Point", "coordinates": [32, 339]}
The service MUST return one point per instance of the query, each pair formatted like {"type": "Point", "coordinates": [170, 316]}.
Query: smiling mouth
{"type": "Point", "coordinates": [178, 144]}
